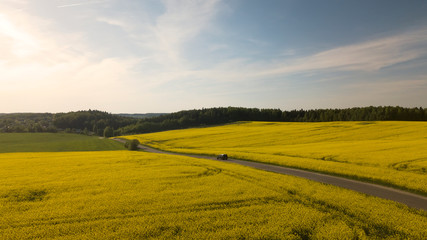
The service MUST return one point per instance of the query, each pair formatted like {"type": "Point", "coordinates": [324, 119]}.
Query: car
{"type": "Point", "coordinates": [222, 157]}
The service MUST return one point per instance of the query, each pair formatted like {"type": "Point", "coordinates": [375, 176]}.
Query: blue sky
{"type": "Point", "coordinates": [171, 55]}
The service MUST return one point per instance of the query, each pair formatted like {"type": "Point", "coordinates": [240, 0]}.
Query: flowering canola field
{"type": "Point", "coordinates": [390, 153]}
{"type": "Point", "coordinates": [137, 195]}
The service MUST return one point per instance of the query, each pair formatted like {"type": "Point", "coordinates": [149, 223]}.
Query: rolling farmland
{"type": "Point", "coordinates": [390, 153]}
{"type": "Point", "coordinates": [53, 142]}
{"type": "Point", "coordinates": [130, 195]}
{"type": "Point", "coordinates": [66, 186]}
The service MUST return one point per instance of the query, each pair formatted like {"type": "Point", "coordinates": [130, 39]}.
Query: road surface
{"type": "Point", "coordinates": [410, 199]}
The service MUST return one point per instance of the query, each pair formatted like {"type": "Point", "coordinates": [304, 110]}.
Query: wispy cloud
{"type": "Point", "coordinates": [182, 21]}
{"type": "Point", "coordinates": [16, 41]}
{"type": "Point", "coordinates": [366, 56]}
{"type": "Point", "coordinates": [79, 4]}
{"type": "Point", "coordinates": [115, 22]}
{"type": "Point", "coordinates": [37, 60]}
{"type": "Point", "coordinates": [40, 64]}
{"type": "Point", "coordinates": [369, 56]}
{"type": "Point", "coordinates": [144, 51]}
{"type": "Point", "coordinates": [164, 38]}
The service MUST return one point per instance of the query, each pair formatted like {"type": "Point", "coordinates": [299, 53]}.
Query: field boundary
{"type": "Point", "coordinates": [397, 195]}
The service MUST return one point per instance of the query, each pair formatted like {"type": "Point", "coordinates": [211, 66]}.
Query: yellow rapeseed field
{"type": "Point", "coordinates": [391, 153]}
{"type": "Point", "coordinates": [137, 195]}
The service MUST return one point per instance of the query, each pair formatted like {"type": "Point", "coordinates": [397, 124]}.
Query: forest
{"type": "Point", "coordinates": [94, 122]}
{"type": "Point", "coordinates": [90, 122]}
{"type": "Point", "coordinates": [215, 116]}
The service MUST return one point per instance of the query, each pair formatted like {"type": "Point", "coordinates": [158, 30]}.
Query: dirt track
{"type": "Point", "coordinates": [410, 199]}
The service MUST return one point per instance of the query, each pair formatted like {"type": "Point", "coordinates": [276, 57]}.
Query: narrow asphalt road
{"type": "Point", "coordinates": [410, 199]}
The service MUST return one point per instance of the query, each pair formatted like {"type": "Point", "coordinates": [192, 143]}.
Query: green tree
{"type": "Point", "coordinates": [132, 144]}
{"type": "Point", "coordinates": [108, 132]}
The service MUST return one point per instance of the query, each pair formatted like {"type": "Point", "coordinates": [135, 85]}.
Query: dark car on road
{"type": "Point", "coordinates": [222, 157]}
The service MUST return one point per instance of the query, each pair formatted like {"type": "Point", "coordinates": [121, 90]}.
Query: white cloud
{"type": "Point", "coordinates": [162, 40]}
{"type": "Point", "coordinates": [369, 56]}
{"type": "Point", "coordinates": [77, 4]}
{"type": "Point", "coordinates": [182, 21]}
{"type": "Point", "coordinates": [366, 56]}
{"type": "Point", "coordinates": [115, 22]}
{"type": "Point", "coordinates": [38, 61]}
{"type": "Point", "coordinates": [47, 62]}
{"type": "Point", "coordinates": [15, 41]}
{"type": "Point", "coordinates": [39, 66]}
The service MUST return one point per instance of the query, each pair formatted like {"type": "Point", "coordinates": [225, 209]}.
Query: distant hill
{"type": "Point", "coordinates": [90, 122]}
{"type": "Point", "coordinates": [27, 122]}
{"type": "Point", "coordinates": [94, 122]}
{"type": "Point", "coordinates": [223, 115]}
{"type": "Point", "coordinates": [141, 115]}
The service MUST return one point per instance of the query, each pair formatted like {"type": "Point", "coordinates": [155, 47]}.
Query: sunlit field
{"type": "Point", "coordinates": [137, 195]}
{"type": "Point", "coordinates": [391, 153]}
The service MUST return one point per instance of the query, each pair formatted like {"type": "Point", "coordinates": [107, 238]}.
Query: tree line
{"type": "Point", "coordinates": [27, 122]}
{"type": "Point", "coordinates": [94, 122]}
{"type": "Point", "coordinates": [215, 116]}
{"type": "Point", "coordinates": [91, 122]}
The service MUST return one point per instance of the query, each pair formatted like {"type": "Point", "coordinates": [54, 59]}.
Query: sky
{"type": "Point", "coordinates": [139, 56]}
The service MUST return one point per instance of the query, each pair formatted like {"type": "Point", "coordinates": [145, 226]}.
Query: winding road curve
{"type": "Point", "coordinates": [410, 199]}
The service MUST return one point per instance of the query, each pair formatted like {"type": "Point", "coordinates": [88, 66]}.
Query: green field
{"type": "Point", "coordinates": [137, 195]}
{"type": "Point", "coordinates": [54, 142]}
{"type": "Point", "coordinates": [390, 153]}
